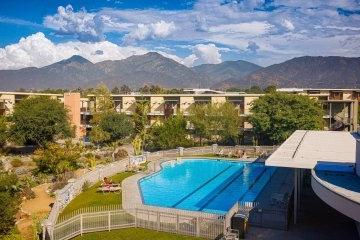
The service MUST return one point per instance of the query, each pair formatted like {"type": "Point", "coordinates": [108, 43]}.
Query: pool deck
{"type": "Point", "coordinates": [131, 196]}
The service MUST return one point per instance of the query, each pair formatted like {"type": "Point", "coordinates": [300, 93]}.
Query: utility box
{"type": "Point", "coordinates": [239, 222]}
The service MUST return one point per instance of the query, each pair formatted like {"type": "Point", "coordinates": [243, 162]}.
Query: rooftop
{"type": "Point", "coordinates": [305, 149]}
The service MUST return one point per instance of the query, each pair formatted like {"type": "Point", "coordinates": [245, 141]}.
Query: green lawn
{"type": "Point", "coordinates": [91, 197]}
{"type": "Point", "coordinates": [133, 234]}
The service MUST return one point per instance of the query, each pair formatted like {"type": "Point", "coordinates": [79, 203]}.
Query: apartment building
{"type": "Point", "coordinates": [340, 105]}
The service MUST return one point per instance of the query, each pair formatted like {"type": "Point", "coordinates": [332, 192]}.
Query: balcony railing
{"type": "Point", "coordinates": [85, 110]}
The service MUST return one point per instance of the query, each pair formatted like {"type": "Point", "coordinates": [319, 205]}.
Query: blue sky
{"type": "Point", "coordinates": [38, 33]}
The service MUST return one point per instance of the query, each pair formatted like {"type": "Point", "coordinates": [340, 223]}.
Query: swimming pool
{"type": "Point", "coordinates": [206, 185]}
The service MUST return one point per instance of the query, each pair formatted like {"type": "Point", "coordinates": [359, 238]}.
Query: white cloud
{"type": "Point", "coordinates": [287, 24]}
{"type": "Point", "coordinates": [250, 28]}
{"type": "Point", "coordinates": [37, 51]}
{"type": "Point", "coordinates": [189, 60]}
{"type": "Point", "coordinates": [155, 30]}
{"type": "Point", "coordinates": [289, 29]}
{"type": "Point", "coordinates": [207, 53]}
{"type": "Point", "coordinates": [86, 26]}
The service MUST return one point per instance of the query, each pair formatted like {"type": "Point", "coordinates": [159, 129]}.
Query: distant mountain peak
{"type": "Point", "coordinates": [75, 59]}
{"type": "Point", "coordinates": [153, 54]}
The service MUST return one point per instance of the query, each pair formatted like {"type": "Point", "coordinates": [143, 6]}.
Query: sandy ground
{"type": "Point", "coordinates": [37, 207]}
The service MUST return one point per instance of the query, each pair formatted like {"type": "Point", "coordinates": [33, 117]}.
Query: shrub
{"type": "Point", "coordinates": [16, 162]}
{"type": "Point", "coordinates": [121, 153]}
{"type": "Point", "coordinates": [10, 201]}
{"type": "Point", "coordinates": [58, 159]}
{"type": "Point", "coordinates": [89, 155]}
{"type": "Point", "coordinates": [86, 186]}
{"type": "Point", "coordinates": [28, 193]}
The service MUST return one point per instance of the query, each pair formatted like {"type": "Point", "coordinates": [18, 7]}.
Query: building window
{"type": "Point", "coordinates": [336, 95]}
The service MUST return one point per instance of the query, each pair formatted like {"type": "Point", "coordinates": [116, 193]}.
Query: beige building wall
{"type": "Point", "coordinates": [9, 102]}
{"type": "Point", "coordinates": [157, 104]}
{"type": "Point", "coordinates": [128, 104]}
{"type": "Point", "coordinates": [216, 100]}
{"type": "Point", "coordinates": [347, 95]}
{"type": "Point", "coordinates": [247, 104]}
{"type": "Point", "coordinates": [72, 103]}
{"type": "Point", "coordinates": [185, 103]}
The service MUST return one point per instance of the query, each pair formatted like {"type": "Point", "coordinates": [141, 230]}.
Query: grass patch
{"type": "Point", "coordinates": [133, 234]}
{"type": "Point", "coordinates": [91, 197]}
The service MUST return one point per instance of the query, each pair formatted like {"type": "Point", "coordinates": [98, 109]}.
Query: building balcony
{"type": "Point", "coordinates": [85, 110]}
{"type": "Point", "coordinates": [156, 113]}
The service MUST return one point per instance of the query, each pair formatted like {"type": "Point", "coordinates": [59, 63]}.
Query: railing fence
{"type": "Point", "coordinates": [167, 221]}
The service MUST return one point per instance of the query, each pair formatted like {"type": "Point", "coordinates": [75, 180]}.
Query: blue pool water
{"type": "Point", "coordinates": [204, 185]}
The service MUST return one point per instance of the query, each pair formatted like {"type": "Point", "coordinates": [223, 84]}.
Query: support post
{"type": "Point", "coordinates": [214, 148]}
{"type": "Point", "coordinates": [295, 194]}
{"type": "Point", "coordinates": [136, 224]}
{"type": "Point", "coordinates": [181, 151]}
{"type": "Point", "coordinates": [158, 220]}
{"type": "Point", "coordinates": [81, 224]}
{"type": "Point", "coordinates": [197, 227]}
{"type": "Point", "coordinates": [109, 221]}
{"type": "Point", "coordinates": [43, 232]}
{"type": "Point", "coordinates": [177, 223]}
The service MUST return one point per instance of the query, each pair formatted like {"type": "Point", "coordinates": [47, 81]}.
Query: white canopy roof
{"type": "Point", "coordinates": [304, 149]}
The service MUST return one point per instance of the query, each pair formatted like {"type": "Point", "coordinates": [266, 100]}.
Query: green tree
{"type": "Point", "coordinates": [125, 89]}
{"type": "Point", "coordinates": [10, 201]}
{"type": "Point", "coordinates": [119, 126]}
{"type": "Point", "coordinates": [276, 116]}
{"type": "Point", "coordinates": [215, 122]}
{"type": "Point", "coordinates": [270, 89]}
{"type": "Point", "coordinates": [140, 118]}
{"type": "Point", "coordinates": [38, 120]}
{"type": "Point", "coordinates": [156, 89]}
{"type": "Point", "coordinates": [141, 123]}
{"type": "Point", "coordinates": [171, 134]}
{"type": "Point", "coordinates": [199, 121]}
{"type": "Point", "coordinates": [115, 90]}
{"type": "Point", "coordinates": [99, 136]}
{"type": "Point", "coordinates": [104, 102]}
{"type": "Point", "coordinates": [254, 89]}
{"type": "Point", "coordinates": [3, 131]}
{"type": "Point", "coordinates": [230, 123]}
{"type": "Point", "coordinates": [58, 159]}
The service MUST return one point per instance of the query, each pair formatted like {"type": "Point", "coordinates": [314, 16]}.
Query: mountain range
{"type": "Point", "coordinates": [155, 69]}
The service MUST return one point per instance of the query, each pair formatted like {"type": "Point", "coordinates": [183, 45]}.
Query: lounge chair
{"type": "Point", "coordinates": [231, 234]}
{"type": "Point", "coordinates": [278, 199]}
{"type": "Point", "coordinates": [230, 154]}
{"type": "Point", "coordinates": [109, 188]}
{"type": "Point", "coordinates": [220, 153]}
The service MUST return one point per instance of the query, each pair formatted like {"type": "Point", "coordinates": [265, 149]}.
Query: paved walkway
{"type": "Point", "coordinates": [37, 207]}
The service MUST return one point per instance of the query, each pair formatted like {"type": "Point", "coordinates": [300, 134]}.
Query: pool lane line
{"type": "Point", "coordinates": [221, 190]}
{"type": "Point", "coordinates": [227, 185]}
{"type": "Point", "coordinates": [202, 185]}
{"type": "Point", "coordinates": [252, 184]}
